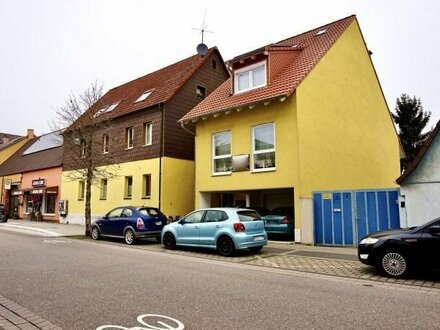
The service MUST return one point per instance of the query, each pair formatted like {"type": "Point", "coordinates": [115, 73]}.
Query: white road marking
{"type": "Point", "coordinates": [30, 230]}
{"type": "Point", "coordinates": [175, 324]}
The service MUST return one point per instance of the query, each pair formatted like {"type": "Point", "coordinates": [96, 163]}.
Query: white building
{"type": "Point", "coordinates": [420, 184]}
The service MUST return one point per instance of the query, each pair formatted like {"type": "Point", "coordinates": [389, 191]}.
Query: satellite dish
{"type": "Point", "coordinates": [202, 49]}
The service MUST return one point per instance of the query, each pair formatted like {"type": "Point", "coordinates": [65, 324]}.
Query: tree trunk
{"type": "Point", "coordinates": [88, 208]}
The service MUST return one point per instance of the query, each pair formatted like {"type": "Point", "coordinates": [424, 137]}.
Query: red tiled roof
{"type": "Point", "coordinates": [310, 48]}
{"type": "Point", "coordinates": [164, 82]}
{"type": "Point", "coordinates": [420, 155]}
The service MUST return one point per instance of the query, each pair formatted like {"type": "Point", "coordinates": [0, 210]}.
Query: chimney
{"type": "Point", "coordinates": [30, 133]}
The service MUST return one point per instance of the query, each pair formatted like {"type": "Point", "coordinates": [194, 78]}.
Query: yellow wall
{"type": "Point", "coordinates": [178, 186]}
{"type": "Point", "coordinates": [240, 124]}
{"type": "Point", "coordinates": [347, 136]}
{"type": "Point", "coordinates": [115, 188]}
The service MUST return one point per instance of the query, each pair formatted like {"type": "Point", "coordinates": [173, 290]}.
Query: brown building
{"type": "Point", "coordinates": [153, 154]}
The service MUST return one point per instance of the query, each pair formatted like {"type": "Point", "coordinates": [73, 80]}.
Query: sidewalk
{"type": "Point", "coordinates": [48, 229]}
{"type": "Point", "coordinates": [41, 228]}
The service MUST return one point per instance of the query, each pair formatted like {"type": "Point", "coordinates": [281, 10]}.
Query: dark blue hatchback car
{"type": "Point", "coordinates": [130, 223]}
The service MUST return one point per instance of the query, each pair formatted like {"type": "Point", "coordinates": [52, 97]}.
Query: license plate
{"type": "Point", "coordinates": [258, 238]}
{"type": "Point", "coordinates": [158, 223]}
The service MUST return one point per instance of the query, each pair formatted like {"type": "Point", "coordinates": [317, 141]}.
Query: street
{"type": "Point", "coordinates": [82, 284]}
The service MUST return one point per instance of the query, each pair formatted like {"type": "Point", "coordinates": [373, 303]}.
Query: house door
{"type": "Point", "coordinates": [344, 218]}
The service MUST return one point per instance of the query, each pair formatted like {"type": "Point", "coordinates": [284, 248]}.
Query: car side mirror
{"type": "Point", "coordinates": [434, 230]}
{"type": "Point", "coordinates": [182, 221]}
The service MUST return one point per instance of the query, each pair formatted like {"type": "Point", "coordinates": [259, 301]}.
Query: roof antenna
{"type": "Point", "coordinates": [202, 49]}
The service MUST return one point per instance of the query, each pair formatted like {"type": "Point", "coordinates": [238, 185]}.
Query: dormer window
{"type": "Point", "coordinates": [144, 96]}
{"type": "Point", "coordinates": [107, 108]}
{"type": "Point", "coordinates": [250, 77]}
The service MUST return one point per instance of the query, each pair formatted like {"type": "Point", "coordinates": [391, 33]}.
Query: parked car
{"type": "Point", "coordinates": [280, 221]}
{"type": "Point", "coordinates": [224, 229]}
{"type": "Point", "coordinates": [3, 216]}
{"type": "Point", "coordinates": [130, 223]}
{"type": "Point", "coordinates": [396, 252]}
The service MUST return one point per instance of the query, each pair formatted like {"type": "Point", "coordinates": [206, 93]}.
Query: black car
{"type": "Point", "coordinates": [3, 217]}
{"type": "Point", "coordinates": [130, 223]}
{"type": "Point", "coordinates": [396, 252]}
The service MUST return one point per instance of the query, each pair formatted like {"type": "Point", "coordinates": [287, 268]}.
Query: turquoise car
{"type": "Point", "coordinates": [223, 229]}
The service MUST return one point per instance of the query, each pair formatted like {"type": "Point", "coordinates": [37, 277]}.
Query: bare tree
{"type": "Point", "coordinates": [85, 122]}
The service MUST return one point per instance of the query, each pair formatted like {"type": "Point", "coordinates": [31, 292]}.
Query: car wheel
{"type": "Point", "coordinates": [225, 246]}
{"type": "Point", "coordinates": [169, 241]}
{"type": "Point", "coordinates": [256, 248]}
{"type": "Point", "coordinates": [95, 233]}
{"type": "Point", "coordinates": [129, 236]}
{"type": "Point", "coordinates": [393, 264]}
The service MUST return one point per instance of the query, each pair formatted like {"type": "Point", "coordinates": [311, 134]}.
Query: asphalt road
{"type": "Point", "coordinates": [81, 284]}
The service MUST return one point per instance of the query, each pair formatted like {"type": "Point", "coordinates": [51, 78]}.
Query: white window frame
{"type": "Point", "coordinates": [104, 189]}
{"type": "Point", "coordinates": [105, 140]}
{"type": "Point", "coordinates": [214, 157]}
{"type": "Point", "coordinates": [146, 186]}
{"type": "Point", "coordinates": [128, 190]}
{"type": "Point", "coordinates": [129, 137]}
{"type": "Point", "coordinates": [256, 152]}
{"type": "Point", "coordinates": [249, 69]}
{"type": "Point", "coordinates": [144, 95]}
{"type": "Point", "coordinates": [83, 148]}
{"type": "Point", "coordinates": [81, 190]}
{"type": "Point", "coordinates": [148, 133]}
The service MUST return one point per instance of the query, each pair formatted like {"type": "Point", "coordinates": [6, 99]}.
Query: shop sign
{"type": "Point", "coordinates": [8, 184]}
{"type": "Point", "coordinates": [52, 190]}
{"type": "Point", "coordinates": [37, 192]}
{"type": "Point", "coordinates": [39, 183]}
{"type": "Point", "coordinates": [17, 192]}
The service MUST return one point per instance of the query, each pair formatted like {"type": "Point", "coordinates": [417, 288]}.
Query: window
{"type": "Point", "coordinates": [214, 64]}
{"type": "Point", "coordinates": [116, 213]}
{"type": "Point", "coordinates": [144, 96]}
{"type": "Point", "coordinates": [148, 134]}
{"type": "Point", "coordinates": [194, 217]}
{"type": "Point", "coordinates": [81, 190]}
{"type": "Point", "coordinates": [128, 192]}
{"type": "Point", "coordinates": [127, 213]}
{"type": "Point", "coordinates": [263, 142]}
{"type": "Point", "coordinates": [107, 108]}
{"type": "Point", "coordinates": [49, 205]}
{"type": "Point", "coordinates": [221, 151]}
{"type": "Point", "coordinates": [250, 77]}
{"type": "Point", "coordinates": [200, 92]}
{"type": "Point", "coordinates": [83, 149]}
{"type": "Point", "coordinates": [105, 144]}
{"type": "Point", "coordinates": [215, 216]}
{"type": "Point", "coordinates": [129, 134]}
{"type": "Point", "coordinates": [103, 189]}
{"type": "Point", "coordinates": [146, 186]}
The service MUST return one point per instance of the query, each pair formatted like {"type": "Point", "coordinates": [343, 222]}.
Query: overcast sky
{"type": "Point", "coordinates": [53, 48]}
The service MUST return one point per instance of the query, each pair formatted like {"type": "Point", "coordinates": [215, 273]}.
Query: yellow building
{"type": "Point", "coordinates": [9, 145]}
{"type": "Point", "coordinates": [143, 155]}
{"type": "Point", "coordinates": [303, 115]}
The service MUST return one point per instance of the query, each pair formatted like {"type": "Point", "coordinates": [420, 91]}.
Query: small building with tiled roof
{"type": "Point", "coordinates": [420, 184]}
{"type": "Point", "coordinates": [153, 154]}
{"type": "Point", "coordinates": [33, 176]}
{"type": "Point", "coordinates": [296, 117]}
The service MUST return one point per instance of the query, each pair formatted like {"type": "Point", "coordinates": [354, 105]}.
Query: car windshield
{"type": "Point", "coordinates": [149, 211]}
{"type": "Point", "coordinates": [248, 215]}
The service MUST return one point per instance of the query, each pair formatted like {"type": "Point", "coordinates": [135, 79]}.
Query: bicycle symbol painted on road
{"type": "Point", "coordinates": [169, 324]}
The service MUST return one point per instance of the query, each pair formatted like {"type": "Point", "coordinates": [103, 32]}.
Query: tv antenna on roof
{"type": "Point", "coordinates": [202, 49]}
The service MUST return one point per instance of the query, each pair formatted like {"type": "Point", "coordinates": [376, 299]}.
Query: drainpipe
{"type": "Point", "coordinates": [162, 148]}
{"type": "Point", "coordinates": [186, 129]}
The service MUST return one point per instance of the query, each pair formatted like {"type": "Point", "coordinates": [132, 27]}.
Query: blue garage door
{"type": "Point", "coordinates": [344, 218]}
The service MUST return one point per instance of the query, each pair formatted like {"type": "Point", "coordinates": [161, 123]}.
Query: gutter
{"type": "Point", "coordinates": [186, 129]}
